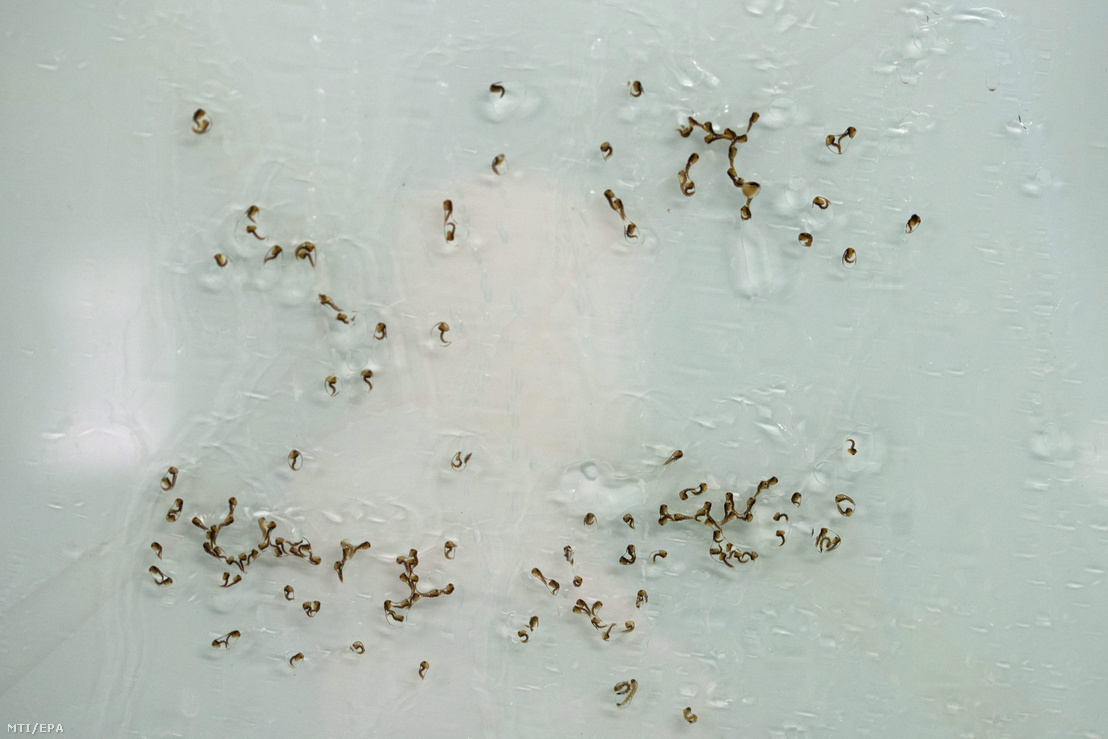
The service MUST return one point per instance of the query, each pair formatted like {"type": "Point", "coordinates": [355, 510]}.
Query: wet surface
{"type": "Point", "coordinates": [542, 361]}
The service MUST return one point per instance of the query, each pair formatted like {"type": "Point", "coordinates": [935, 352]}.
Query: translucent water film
{"type": "Point", "coordinates": [543, 370]}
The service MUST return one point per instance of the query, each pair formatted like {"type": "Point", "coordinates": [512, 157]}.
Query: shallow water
{"type": "Point", "coordinates": [961, 363]}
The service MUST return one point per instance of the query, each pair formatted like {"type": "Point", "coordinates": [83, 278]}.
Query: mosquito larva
{"type": "Point", "coordinates": [641, 598]}
{"type": "Point", "coordinates": [160, 578]}
{"type": "Point", "coordinates": [442, 327]}
{"type": "Point", "coordinates": [225, 640]}
{"type": "Point", "coordinates": [684, 494]}
{"type": "Point", "coordinates": [796, 500]}
{"type": "Point", "coordinates": [826, 543]}
{"type": "Point", "coordinates": [497, 87]}
{"type": "Point", "coordinates": [688, 187]}
{"type": "Point", "coordinates": [357, 647]}
{"type": "Point", "coordinates": [157, 549]}
{"type": "Point", "coordinates": [253, 231]}
{"type": "Point", "coordinates": [627, 688]}
{"type": "Point", "coordinates": [912, 224]}
{"type": "Point", "coordinates": [734, 175]}
{"type": "Point", "coordinates": [615, 203]}
{"type": "Point", "coordinates": [296, 460]}
{"type": "Point", "coordinates": [660, 553]}
{"type": "Point", "coordinates": [348, 552]}
{"type": "Point", "coordinates": [306, 251]}
{"type": "Point", "coordinates": [423, 667]}
{"type": "Point", "coordinates": [689, 715]}
{"type": "Point", "coordinates": [330, 383]}
{"type": "Point", "coordinates": [820, 202]}
{"type": "Point", "coordinates": [628, 557]}
{"type": "Point", "coordinates": [837, 141]}
{"type": "Point", "coordinates": [577, 581]}
{"type": "Point", "coordinates": [296, 659]}
{"type": "Point", "coordinates": [448, 550]}
{"type": "Point", "coordinates": [448, 227]}
{"type": "Point", "coordinates": [221, 260]}
{"type": "Point", "coordinates": [175, 511]}
{"type": "Point", "coordinates": [636, 88]}
{"type": "Point", "coordinates": [200, 121]}
{"type": "Point", "coordinates": [590, 519]}
{"type": "Point", "coordinates": [850, 257]}
{"type": "Point", "coordinates": [848, 508]}
{"type": "Point", "coordinates": [273, 254]}
{"type": "Point", "coordinates": [568, 552]}
{"type": "Point", "coordinates": [367, 375]}
{"type": "Point", "coordinates": [673, 458]}
{"type": "Point", "coordinates": [170, 479]}
{"type": "Point", "coordinates": [390, 613]}
{"type": "Point", "coordinates": [290, 594]}
{"type": "Point", "coordinates": [380, 332]}
{"type": "Point", "coordinates": [606, 150]}
{"type": "Point", "coordinates": [629, 520]}
{"type": "Point", "coordinates": [852, 450]}
{"type": "Point", "coordinates": [497, 163]}
{"type": "Point", "coordinates": [805, 238]}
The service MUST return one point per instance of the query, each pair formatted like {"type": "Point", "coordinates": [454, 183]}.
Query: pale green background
{"type": "Point", "coordinates": [967, 359]}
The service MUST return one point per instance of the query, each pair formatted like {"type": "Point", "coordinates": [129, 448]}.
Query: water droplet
{"type": "Point", "coordinates": [992, 79]}
{"type": "Point", "coordinates": [825, 473]}
{"type": "Point", "coordinates": [781, 112]}
{"type": "Point", "coordinates": [757, 269]}
{"type": "Point", "coordinates": [798, 195]}
{"type": "Point", "coordinates": [1053, 444]}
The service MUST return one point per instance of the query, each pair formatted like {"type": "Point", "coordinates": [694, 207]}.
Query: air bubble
{"type": "Point", "coordinates": [863, 448]}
